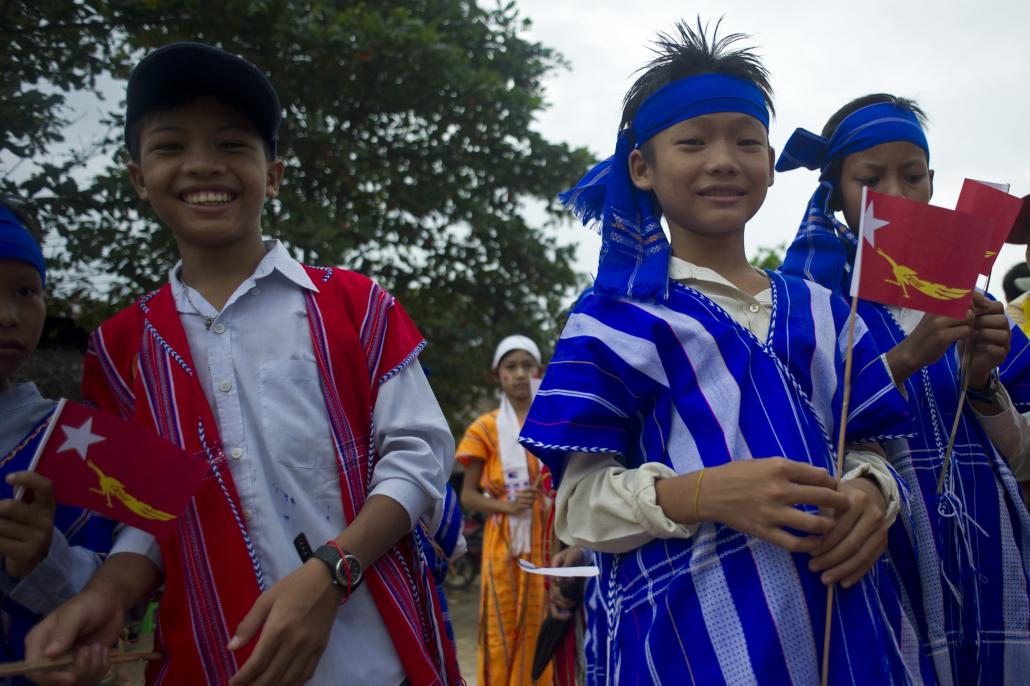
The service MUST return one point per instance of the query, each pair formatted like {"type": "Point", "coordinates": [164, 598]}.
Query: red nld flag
{"type": "Point", "coordinates": [918, 256]}
{"type": "Point", "coordinates": [105, 464]}
{"type": "Point", "coordinates": [1021, 229]}
{"type": "Point", "coordinates": [990, 200]}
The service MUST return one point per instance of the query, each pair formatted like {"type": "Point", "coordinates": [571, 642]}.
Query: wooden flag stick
{"type": "Point", "coordinates": [846, 401]}
{"type": "Point", "coordinates": [963, 370]}
{"type": "Point", "coordinates": [29, 666]}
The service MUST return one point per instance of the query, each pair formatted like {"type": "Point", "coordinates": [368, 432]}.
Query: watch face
{"type": "Point", "coordinates": [351, 564]}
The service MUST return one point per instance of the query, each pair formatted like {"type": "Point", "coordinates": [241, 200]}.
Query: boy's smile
{"type": "Point", "coordinates": [204, 170]}
{"type": "Point", "coordinates": [710, 174]}
{"type": "Point", "coordinates": [22, 313]}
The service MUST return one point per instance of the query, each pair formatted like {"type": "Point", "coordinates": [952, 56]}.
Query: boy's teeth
{"type": "Point", "coordinates": [207, 197]}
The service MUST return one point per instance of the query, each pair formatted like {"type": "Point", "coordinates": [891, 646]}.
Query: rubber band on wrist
{"type": "Point", "coordinates": [697, 495]}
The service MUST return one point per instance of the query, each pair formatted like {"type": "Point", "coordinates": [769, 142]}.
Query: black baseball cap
{"type": "Point", "coordinates": [190, 68]}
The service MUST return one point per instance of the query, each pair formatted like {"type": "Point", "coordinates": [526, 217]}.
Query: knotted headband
{"type": "Point", "coordinates": [634, 251]}
{"type": "Point", "coordinates": [824, 249]}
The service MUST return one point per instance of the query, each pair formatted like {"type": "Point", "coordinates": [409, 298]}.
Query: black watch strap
{"type": "Point", "coordinates": [344, 570]}
{"type": "Point", "coordinates": [331, 557]}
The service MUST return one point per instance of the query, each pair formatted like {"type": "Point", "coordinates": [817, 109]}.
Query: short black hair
{"type": "Point", "coordinates": [25, 214]}
{"type": "Point", "coordinates": [1019, 271]}
{"type": "Point", "coordinates": [833, 173]}
{"type": "Point", "coordinates": [178, 99]}
{"type": "Point", "coordinates": [689, 52]}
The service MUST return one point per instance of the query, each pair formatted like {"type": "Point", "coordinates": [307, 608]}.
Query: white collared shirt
{"type": "Point", "coordinates": [257, 367]}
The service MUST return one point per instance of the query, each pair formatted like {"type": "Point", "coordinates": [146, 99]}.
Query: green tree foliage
{"type": "Point", "coordinates": [769, 258]}
{"type": "Point", "coordinates": [407, 139]}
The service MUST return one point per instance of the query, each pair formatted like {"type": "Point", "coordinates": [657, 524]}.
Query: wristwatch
{"type": "Point", "coordinates": [988, 394]}
{"type": "Point", "coordinates": [344, 568]}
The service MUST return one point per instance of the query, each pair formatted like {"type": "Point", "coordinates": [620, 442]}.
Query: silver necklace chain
{"type": "Point", "coordinates": [186, 290]}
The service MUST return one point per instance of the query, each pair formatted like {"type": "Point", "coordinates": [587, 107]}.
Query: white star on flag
{"type": "Point", "coordinates": [870, 224]}
{"type": "Point", "coordinates": [79, 439]}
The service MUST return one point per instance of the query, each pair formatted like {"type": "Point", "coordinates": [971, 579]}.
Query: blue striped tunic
{"type": "Point", "coordinates": [963, 556]}
{"type": "Point", "coordinates": [684, 385]}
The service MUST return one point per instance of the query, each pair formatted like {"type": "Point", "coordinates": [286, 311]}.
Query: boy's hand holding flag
{"type": "Point", "coordinates": [102, 463]}
{"type": "Point", "coordinates": [918, 256]}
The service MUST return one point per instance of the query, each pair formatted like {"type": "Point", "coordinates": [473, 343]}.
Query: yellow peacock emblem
{"type": "Point", "coordinates": [112, 487]}
{"type": "Point", "coordinates": [906, 277]}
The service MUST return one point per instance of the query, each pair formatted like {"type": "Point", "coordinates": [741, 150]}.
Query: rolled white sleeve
{"type": "Point", "coordinates": [870, 464]}
{"type": "Point", "coordinates": [129, 539]}
{"type": "Point", "coordinates": [1009, 432]}
{"type": "Point", "coordinates": [415, 445]}
{"type": "Point", "coordinates": [603, 506]}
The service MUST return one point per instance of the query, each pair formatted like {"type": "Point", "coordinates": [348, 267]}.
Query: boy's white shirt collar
{"type": "Point", "coordinates": [681, 270]}
{"type": "Point", "coordinates": [277, 258]}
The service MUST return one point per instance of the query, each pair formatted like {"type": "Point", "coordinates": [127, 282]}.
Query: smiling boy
{"type": "Point", "coordinates": [299, 386]}
{"type": "Point", "coordinates": [690, 404]}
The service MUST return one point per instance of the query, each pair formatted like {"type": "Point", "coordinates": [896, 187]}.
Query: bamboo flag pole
{"type": "Point", "coordinates": [29, 666]}
{"type": "Point", "coordinates": [963, 370]}
{"type": "Point", "coordinates": [846, 401]}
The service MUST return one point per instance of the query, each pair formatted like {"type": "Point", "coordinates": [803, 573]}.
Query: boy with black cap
{"type": "Point", "coordinates": [48, 552]}
{"type": "Point", "coordinates": [299, 385]}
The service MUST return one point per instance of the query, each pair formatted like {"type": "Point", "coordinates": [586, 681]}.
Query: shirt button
{"type": "Point", "coordinates": [246, 514]}
{"type": "Point", "coordinates": [255, 291]}
{"type": "Point", "coordinates": [218, 328]}
{"type": "Point", "coordinates": [753, 308]}
{"type": "Point", "coordinates": [236, 453]}
{"type": "Point", "coordinates": [225, 386]}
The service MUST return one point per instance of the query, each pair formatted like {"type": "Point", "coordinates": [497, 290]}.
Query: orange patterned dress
{"type": "Point", "coordinates": [513, 604]}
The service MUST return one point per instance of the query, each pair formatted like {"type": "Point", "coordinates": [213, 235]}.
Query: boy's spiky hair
{"type": "Point", "coordinates": [873, 99]}
{"type": "Point", "coordinates": [689, 52]}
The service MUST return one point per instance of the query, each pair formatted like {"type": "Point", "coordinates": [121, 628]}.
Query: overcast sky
{"type": "Point", "coordinates": [967, 64]}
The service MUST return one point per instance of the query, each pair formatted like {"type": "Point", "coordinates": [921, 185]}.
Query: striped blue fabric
{"type": "Point", "coordinates": [682, 384]}
{"type": "Point", "coordinates": [438, 549]}
{"type": "Point", "coordinates": [963, 557]}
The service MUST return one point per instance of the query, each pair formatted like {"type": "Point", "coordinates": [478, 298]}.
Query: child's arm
{"type": "Point", "coordinates": [926, 344]}
{"type": "Point", "coordinates": [601, 505]}
{"type": "Point", "coordinates": [605, 507]}
{"type": "Point", "coordinates": [1006, 428]}
{"type": "Point", "coordinates": [472, 499]}
{"type": "Point", "coordinates": [92, 621]}
{"type": "Point", "coordinates": [41, 570]}
{"type": "Point", "coordinates": [295, 616]}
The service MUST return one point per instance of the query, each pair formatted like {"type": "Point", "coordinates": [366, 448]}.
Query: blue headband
{"type": "Point", "coordinates": [16, 243]}
{"type": "Point", "coordinates": [634, 251]}
{"type": "Point", "coordinates": [824, 249]}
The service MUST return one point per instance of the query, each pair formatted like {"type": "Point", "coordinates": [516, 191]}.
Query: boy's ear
{"type": "Point", "coordinates": [931, 184]}
{"type": "Point", "coordinates": [772, 165]}
{"type": "Point", "coordinates": [274, 177]}
{"type": "Point", "coordinates": [136, 175]}
{"type": "Point", "coordinates": [640, 171]}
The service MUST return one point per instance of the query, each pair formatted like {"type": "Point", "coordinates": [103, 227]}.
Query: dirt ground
{"type": "Point", "coordinates": [464, 608]}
